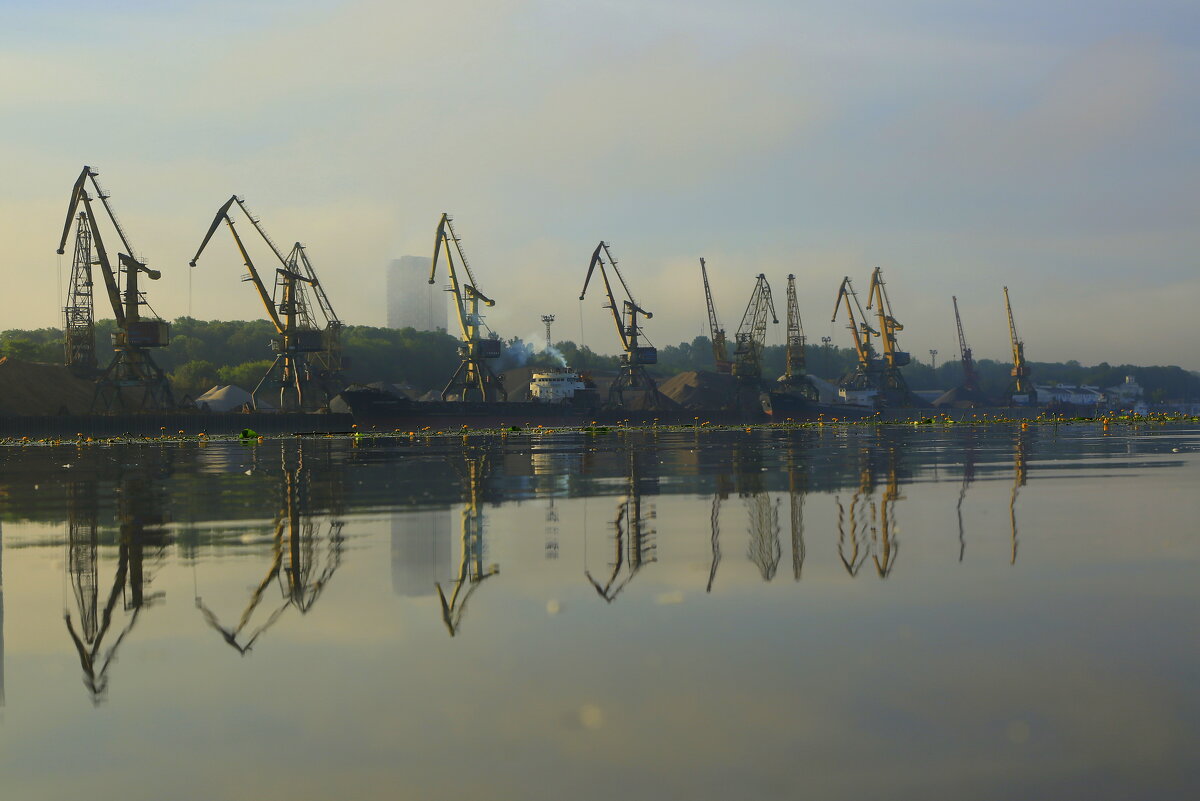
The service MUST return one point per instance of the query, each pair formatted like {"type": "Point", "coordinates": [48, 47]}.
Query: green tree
{"type": "Point", "coordinates": [245, 375]}
{"type": "Point", "coordinates": [194, 378]}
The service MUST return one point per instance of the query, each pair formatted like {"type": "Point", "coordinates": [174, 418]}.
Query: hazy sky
{"type": "Point", "coordinates": [1049, 146]}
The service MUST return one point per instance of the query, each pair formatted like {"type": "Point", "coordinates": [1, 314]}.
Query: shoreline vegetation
{"type": "Point", "coordinates": [205, 353]}
{"type": "Point", "coordinates": [1106, 423]}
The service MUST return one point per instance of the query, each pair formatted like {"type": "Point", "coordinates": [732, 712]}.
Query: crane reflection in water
{"type": "Point", "coordinates": [472, 570]}
{"type": "Point", "coordinates": [97, 629]}
{"type": "Point", "coordinates": [867, 530]}
{"type": "Point", "coordinates": [305, 553]}
{"type": "Point", "coordinates": [633, 545]}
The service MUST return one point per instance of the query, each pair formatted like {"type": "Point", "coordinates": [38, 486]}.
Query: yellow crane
{"type": "Point", "coordinates": [862, 380]}
{"type": "Point", "coordinates": [893, 388]}
{"type": "Point", "coordinates": [474, 379]}
{"type": "Point", "coordinates": [297, 335]}
{"type": "Point", "coordinates": [1021, 390]}
{"type": "Point", "coordinates": [132, 369]}
{"type": "Point", "coordinates": [635, 356]}
{"type": "Point", "coordinates": [716, 332]}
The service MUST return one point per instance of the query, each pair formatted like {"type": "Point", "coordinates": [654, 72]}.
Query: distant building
{"type": "Point", "coordinates": [412, 302]}
{"type": "Point", "coordinates": [1124, 396]}
{"type": "Point", "coordinates": [420, 551]}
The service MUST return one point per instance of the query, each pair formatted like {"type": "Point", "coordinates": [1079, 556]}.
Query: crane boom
{"type": "Point", "coordinates": [223, 216]}
{"type": "Point", "coordinates": [111, 284]}
{"type": "Point", "coordinates": [716, 332]}
{"type": "Point", "coordinates": [78, 193]}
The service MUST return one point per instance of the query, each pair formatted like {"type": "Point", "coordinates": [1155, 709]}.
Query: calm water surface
{"type": "Point", "coordinates": [901, 612]}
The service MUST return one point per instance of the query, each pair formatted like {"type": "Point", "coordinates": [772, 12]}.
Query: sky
{"type": "Point", "coordinates": [961, 146]}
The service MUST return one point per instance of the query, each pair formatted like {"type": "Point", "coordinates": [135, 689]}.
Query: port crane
{"type": "Point", "coordinates": [635, 356]}
{"type": "Point", "coordinates": [795, 374]}
{"type": "Point", "coordinates": [716, 332]}
{"type": "Point", "coordinates": [474, 379]}
{"type": "Point", "coordinates": [863, 377]}
{"type": "Point", "coordinates": [892, 385]}
{"type": "Point", "coordinates": [1021, 389]}
{"type": "Point", "coordinates": [291, 376]}
{"type": "Point", "coordinates": [970, 375]}
{"type": "Point", "coordinates": [132, 369]}
{"type": "Point", "coordinates": [751, 335]}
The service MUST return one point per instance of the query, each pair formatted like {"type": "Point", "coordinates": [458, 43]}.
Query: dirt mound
{"type": "Point", "coordinates": [699, 389]}
{"type": "Point", "coordinates": [962, 398]}
{"type": "Point", "coordinates": [30, 388]}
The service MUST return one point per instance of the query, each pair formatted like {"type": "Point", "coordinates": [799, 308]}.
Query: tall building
{"type": "Point", "coordinates": [411, 300]}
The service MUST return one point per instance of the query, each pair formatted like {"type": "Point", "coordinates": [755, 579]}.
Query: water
{"type": "Point", "coordinates": [912, 612]}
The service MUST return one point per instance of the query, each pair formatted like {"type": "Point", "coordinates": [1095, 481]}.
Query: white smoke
{"type": "Point", "coordinates": [518, 352]}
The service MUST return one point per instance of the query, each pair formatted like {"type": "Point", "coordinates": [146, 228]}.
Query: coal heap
{"type": "Point", "coordinates": [34, 389]}
{"type": "Point", "coordinates": [699, 389]}
{"type": "Point", "coordinates": [962, 398]}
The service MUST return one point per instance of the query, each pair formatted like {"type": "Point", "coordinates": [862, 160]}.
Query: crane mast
{"type": "Point", "coordinates": [794, 366]}
{"type": "Point", "coordinates": [474, 379]}
{"type": "Point", "coordinates": [132, 369]}
{"type": "Point", "coordinates": [633, 376]}
{"type": "Point", "coordinates": [1021, 388]}
{"type": "Point", "coordinates": [290, 376]}
{"type": "Point", "coordinates": [751, 335]}
{"type": "Point", "coordinates": [716, 332]}
{"type": "Point", "coordinates": [328, 362]}
{"type": "Point", "coordinates": [78, 315]}
{"type": "Point", "coordinates": [970, 376]}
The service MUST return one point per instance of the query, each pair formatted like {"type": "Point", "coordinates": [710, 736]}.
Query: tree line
{"type": "Point", "coordinates": [204, 353]}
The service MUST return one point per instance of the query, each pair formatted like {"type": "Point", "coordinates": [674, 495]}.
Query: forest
{"type": "Point", "coordinates": [204, 353]}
